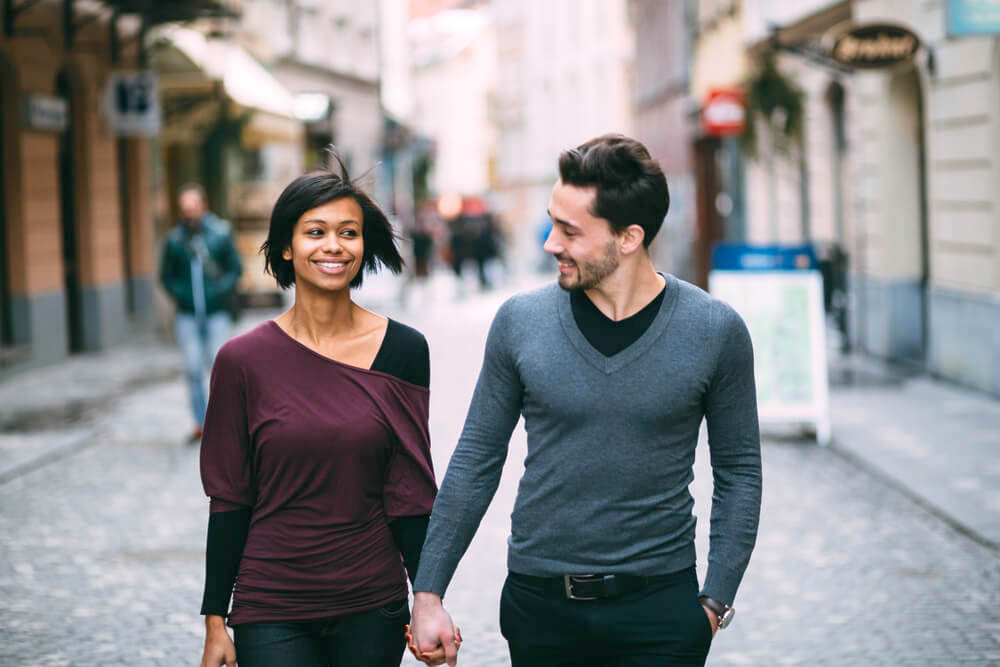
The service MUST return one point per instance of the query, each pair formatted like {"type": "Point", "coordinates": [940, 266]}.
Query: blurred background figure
{"type": "Point", "coordinates": [422, 233]}
{"type": "Point", "coordinates": [199, 271]}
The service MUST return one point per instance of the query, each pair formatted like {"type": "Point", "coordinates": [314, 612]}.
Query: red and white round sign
{"type": "Point", "coordinates": [723, 113]}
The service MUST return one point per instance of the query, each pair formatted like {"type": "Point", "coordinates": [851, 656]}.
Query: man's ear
{"type": "Point", "coordinates": [630, 239]}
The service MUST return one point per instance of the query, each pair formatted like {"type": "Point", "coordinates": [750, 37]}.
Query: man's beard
{"type": "Point", "coordinates": [591, 273]}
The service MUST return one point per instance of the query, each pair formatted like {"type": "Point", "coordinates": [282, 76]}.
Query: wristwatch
{"type": "Point", "coordinates": [722, 612]}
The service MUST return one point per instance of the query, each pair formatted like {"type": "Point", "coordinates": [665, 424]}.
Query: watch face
{"type": "Point", "coordinates": [727, 618]}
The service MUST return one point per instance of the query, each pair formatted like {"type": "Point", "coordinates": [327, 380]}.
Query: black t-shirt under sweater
{"type": "Point", "coordinates": [606, 335]}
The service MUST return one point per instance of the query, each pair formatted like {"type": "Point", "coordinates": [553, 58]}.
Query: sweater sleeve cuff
{"type": "Point", "coordinates": [721, 584]}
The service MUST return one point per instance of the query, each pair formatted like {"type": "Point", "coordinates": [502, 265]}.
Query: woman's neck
{"type": "Point", "coordinates": [318, 317]}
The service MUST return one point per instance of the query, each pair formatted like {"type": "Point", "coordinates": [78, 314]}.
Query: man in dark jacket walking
{"type": "Point", "coordinates": [199, 271]}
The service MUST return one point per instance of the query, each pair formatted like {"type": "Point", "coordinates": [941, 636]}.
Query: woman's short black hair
{"type": "Point", "coordinates": [316, 188]}
{"type": "Point", "coordinates": [631, 187]}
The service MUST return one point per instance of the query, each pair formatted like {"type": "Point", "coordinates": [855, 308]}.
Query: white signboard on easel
{"type": "Point", "coordinates": [784, 312]}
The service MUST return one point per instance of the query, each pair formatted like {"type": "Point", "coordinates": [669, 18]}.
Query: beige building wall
{"type": "Point", "coordinates": [920, 214]}
{"type": "Point", "coordinates": [719, 52]}
{"type": "Point", "coordinates": [35, 55]}
{"type": "Point", "coordinates": [564, 76]}
{"type": "Point", "coordinates": [454, 61]}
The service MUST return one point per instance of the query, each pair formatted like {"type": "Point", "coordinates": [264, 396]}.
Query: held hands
{"type": "Point", "coordinates": [219, 647]}
{"type": "Point", "coordinates": [432, 637]}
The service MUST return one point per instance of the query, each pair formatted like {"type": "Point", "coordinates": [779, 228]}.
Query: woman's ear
{"type": "Point", "coordinates": [286, 254]}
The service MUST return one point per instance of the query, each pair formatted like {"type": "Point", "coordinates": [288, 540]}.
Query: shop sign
{"type": "Point", "coordinates": [45, 113]}
{"type": "Point", "coordinates": [973, 17]}
{"type": "Point", "coordinates": [875, 45]}
{"type": "Point", "coordinates": [131, 103]}
{"type": "Point", "coordinates": [724, 112]}
{"type": "Point", "coordinates": [778, 291]}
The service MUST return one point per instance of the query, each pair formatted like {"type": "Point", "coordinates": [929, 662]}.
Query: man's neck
{"type": "Point", "coordinates": [628, 290]}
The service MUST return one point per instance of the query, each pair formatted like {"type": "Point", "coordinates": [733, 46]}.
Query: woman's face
{"type": "Point", "coordinates": [327, 247]}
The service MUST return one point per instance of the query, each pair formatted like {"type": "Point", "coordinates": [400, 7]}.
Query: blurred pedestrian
{"type": "Point", "coordinates": [421, 234]}
{"type": "Point", "coordinates": [316, 452]}
{"type": "Point", "coordinates": [199, 270]}
{"type": "Point", "coordinates": [613, 374]}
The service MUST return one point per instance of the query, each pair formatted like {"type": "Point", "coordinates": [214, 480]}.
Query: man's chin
{"type": "Point", "coordinates": [567, 283]}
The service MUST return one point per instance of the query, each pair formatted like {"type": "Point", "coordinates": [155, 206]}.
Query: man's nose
{"type": "Point", "coordinates": [552, 244]}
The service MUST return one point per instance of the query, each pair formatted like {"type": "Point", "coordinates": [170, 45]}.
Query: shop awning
{"type": "Point", "coordinates": [199, 76]}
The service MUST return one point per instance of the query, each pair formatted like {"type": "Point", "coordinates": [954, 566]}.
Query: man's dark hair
{"type": "Point", "coordinates": [316, 188]}
{"type": "Point", "coordinates": [195, 188]}
{"type": "Point", "coordinates": [631, 187]}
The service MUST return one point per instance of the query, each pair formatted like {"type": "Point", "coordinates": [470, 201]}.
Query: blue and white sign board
{"type": "Point", "coordinates": [132, 103]}
{"type": "Point", "coordinates": [973, 17]}
{"type": "Point", "coordinates": [778, 290]}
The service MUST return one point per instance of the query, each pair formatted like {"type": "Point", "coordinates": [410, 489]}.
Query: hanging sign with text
{"type": "Point", "coordinates": [875, 46]}
{"type": "Point", "coordinates": [131, 103]}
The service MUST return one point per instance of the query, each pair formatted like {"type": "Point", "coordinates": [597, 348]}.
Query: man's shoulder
{"type": "Point", "coordinates": [526, 305]}
{"type": "Point", "coordinates": [699, 304]}
{"type": "Point", "coordinates": [217, 225]}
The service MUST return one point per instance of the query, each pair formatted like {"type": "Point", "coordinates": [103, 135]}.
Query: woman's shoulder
{"type": "Point", "coordinates": [248, 345]}
{"type": "Point", "coordinates": [404, 354]}
{"type": "Point", "coordinates": [405, 336]}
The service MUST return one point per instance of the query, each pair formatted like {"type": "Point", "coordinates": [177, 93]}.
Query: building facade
{"type": "Point", "coordinates": [76, 233]}
{"type": "Point", "coordinates": [718, 63]}
{"type": "Point", "coordinates": [565, 73]}
{"type": "Point", "coordinates": [898, 168]}
{"type": "Point", "coordinates": [663, 55]}
{"type": "Point", "coordinates": [453, 69]}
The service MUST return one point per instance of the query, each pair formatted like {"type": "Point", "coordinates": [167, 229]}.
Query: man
{"type": "Point", "coordinates": [613, 374]}
{"type": "Point", "coordinates": [199, 271]}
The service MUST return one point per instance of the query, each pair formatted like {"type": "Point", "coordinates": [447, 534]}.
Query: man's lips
{"type": "Point", "coordinates": [565, 265]}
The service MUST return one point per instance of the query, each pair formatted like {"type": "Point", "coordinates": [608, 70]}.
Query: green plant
{"type": "Point", "coordinates": [778, 100]}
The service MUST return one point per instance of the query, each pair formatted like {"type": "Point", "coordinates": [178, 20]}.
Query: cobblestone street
{"type": "Point", "coordinates": [101, 559]}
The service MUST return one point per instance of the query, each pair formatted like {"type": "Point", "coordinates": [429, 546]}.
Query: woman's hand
{"type": "Point", "coordinates": [219, 647]}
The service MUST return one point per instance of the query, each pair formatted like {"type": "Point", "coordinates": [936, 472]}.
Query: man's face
{"type": "Point", "coordinates": [192, 206]}
{"type": "Point", "coordinates": [584, 245]}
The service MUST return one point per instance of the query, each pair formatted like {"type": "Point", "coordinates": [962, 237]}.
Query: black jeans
{"type": "Point", "coordinates": [373, 638]}
{"type": "Point", "coordinates": [660, 625]}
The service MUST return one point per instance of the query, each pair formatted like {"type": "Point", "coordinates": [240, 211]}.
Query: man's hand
{"type": "Point", "coordinates": [432, 636]}
{"type": "Point", "coordinates": [712, 618]}
{"type": "Point", "coordinates": [219, 647]}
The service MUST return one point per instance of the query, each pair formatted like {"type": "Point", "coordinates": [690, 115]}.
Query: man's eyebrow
{"type": "Point", "coordinates": [562, 222]}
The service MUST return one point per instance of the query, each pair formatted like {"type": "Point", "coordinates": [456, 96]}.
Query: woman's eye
{"type": "Point", "coordinates": [350, 232]}
{"type": "Point", "coordinates": [315, 232]}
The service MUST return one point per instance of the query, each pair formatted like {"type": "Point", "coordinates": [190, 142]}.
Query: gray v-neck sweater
{"type": "Point", "coordinates": [611, 444]}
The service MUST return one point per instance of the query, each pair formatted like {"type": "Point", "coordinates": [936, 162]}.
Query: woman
{"type": "Point", "coordinates": [316, 452]}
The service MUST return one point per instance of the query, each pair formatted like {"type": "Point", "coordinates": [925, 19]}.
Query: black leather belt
{"type": "Point", "coordinates": [594, 586]}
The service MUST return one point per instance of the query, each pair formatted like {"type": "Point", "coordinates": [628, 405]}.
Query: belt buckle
{"type": "Point", "coordinates": [568, 580]}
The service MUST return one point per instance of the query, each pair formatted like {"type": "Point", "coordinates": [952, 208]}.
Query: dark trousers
{"type": "Point", "coordinates": [660, 625]}
{"type": "Point", "coordinates": [373, 638]}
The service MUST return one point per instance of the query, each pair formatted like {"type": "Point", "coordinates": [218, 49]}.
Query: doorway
{"type": "Point", "coordinates": [67, 206]}
{"type": "Point", "coordinates": [909, 262]}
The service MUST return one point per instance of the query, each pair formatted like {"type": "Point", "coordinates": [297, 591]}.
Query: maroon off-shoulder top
{"type": "Point", "coordinates": [324, 454]}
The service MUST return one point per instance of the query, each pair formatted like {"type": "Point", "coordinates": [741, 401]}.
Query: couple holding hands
{"type": "Point", "coordinates": [316, 447]}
